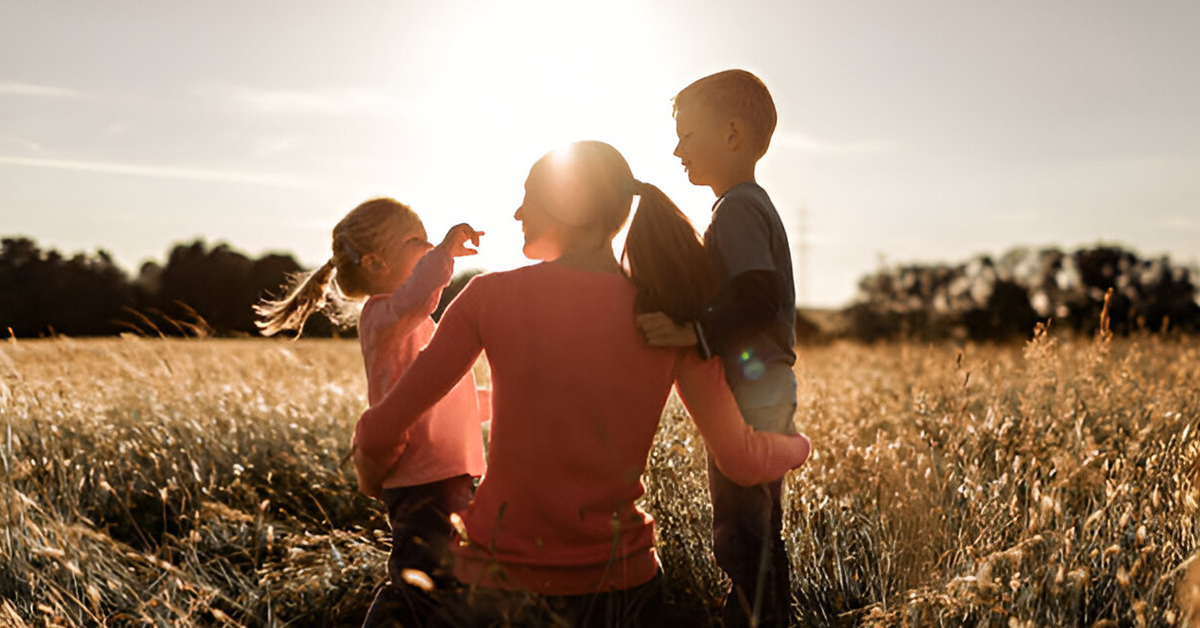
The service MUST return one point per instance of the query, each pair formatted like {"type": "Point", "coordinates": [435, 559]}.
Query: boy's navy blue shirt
{"type": "Point", "coordinates": [753, 319]}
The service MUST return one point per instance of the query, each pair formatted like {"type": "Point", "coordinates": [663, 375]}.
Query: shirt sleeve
{"type": "Point", "coordinates": [746, 456]}
{"type": "Point", "coordinates": [418, 296]}
{"type": "Point", "coordinates": [752, 302]}
{"type": "Point", "coordinates": [379, 436]}
{"type": "Point", "coordinates": [742, 236]}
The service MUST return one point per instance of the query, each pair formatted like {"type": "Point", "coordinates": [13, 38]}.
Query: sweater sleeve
{"type": "Point", "coordinates": [744, 455]}
{"type": "Point", "coordinates": [418, 296]}
{"type": "Point", "coordinates": [379, 436]}
{"type": "Point", "coordinates": [751, 302]}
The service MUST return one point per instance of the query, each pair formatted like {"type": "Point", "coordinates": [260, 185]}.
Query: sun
{"type": "Point", "coordinates": [515, 80]}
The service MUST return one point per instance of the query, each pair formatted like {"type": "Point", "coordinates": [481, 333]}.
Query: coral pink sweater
{"type": "Point", "coordinates": [441, 441]}
{"type": "Point", "coordinates": [576, 399]}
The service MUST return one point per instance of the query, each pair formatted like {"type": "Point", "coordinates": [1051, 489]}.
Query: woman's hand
{"type": "Point", "coordinates": [456, 240]}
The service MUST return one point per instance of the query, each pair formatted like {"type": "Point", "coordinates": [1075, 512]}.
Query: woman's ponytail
{"type": "Point", "coordinates": [666, 259]}
{"type": "Point", "coordinates": [308, 293]}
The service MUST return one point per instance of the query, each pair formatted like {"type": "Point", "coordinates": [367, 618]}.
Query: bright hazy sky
{"type": "Point", "coordinates": [908, 131]}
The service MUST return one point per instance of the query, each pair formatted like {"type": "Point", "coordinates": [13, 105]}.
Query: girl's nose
{"type": "Point", "coordinates": [517, 214]}
{"type": "Point", "coordinates": [677, 145]}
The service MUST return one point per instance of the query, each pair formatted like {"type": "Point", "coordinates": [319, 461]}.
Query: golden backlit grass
{"type": "Point", "coordinates": [197, 483]}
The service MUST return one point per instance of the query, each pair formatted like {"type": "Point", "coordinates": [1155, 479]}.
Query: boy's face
{"type": "Point", "coordinates": [703, 143]}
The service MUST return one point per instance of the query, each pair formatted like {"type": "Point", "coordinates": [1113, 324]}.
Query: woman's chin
{"type": "Point", "coordinates": [532, 253]}
{"type": "Point", "coordinates": [539, 252]}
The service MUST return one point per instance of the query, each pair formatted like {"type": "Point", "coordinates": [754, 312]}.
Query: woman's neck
{"type": "Point", "coordinates": [594, 258]}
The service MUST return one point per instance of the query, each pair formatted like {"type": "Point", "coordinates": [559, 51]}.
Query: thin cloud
{"type": "Point", "coordinates": [807, 144]}
{"type": "Point", "coordinates": [160, 172]}
{"type": "Point", "coordinates": [28, 89]}
{"type": "Point", "coordinates": [333, 101]}
{"type": "Point", "coordinates": [1180, 222]}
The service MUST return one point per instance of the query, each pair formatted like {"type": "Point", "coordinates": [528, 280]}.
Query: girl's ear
{"type": "Point", "coordinates": [373, 263]}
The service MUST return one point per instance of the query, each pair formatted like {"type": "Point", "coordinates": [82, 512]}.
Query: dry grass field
{"type": "Point", "coordinates": [197, 483]}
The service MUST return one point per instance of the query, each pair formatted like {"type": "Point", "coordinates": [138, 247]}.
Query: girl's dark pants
{"type": "Point", "coordinates": [421, 534]}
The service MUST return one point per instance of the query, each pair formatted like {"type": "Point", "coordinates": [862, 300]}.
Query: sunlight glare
{"type": "Point", "coordinates": [522, 78]}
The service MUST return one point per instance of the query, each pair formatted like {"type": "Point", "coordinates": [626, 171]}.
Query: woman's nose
{"type": "Point", "coordinates": [517, 214]}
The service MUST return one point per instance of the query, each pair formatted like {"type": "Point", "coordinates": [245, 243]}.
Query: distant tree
{"type": "Point", "coordinates": [219, 286]}
{"type": "Point", "coordinates": [43, 292]}
{"type": "Point", "coordinates": [986, 299]}
{"type": "Point", "coordinates": [457, 283]}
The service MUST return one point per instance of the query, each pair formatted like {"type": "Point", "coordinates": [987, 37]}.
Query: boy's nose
{"type": "Point", "coordinates": [517, 214]}
{"type": "Point", "coordinates": [677, 146]}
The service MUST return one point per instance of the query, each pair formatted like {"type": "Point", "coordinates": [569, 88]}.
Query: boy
{"type": "Point", "coordinates": [724, 123]}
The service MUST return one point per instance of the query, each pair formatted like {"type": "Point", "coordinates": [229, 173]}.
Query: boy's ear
{"type": "Point", "coordinates": [735, 131]}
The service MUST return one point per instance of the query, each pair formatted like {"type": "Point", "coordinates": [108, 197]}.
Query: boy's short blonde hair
{"type": "Point", "coordinates": [736, 94]}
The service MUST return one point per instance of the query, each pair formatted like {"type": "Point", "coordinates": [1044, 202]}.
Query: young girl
{"type": "Point", "coordinates": [577, 395]}
{"type": "Point", "coordinates": [381, 256]}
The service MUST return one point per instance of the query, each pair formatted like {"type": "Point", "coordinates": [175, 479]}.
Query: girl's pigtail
{"type": "Point", "coordinates": [666, 259]}
{"type": "Point", "coordinates": [307, 293]}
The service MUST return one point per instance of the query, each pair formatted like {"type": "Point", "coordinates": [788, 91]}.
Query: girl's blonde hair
{"type": "Point", "coordinates": [663, 255]}
{"type": "Point", "coordinates": [339, 286]}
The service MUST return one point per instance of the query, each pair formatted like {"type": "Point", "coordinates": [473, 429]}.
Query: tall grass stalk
{"type": "Point", "coordinates": [197, 483]}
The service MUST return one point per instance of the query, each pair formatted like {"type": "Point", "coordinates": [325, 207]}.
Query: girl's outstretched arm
{"type": "Point", "coordinates": [746, 456]}
{"type": "Point", "coordinates": [379, 437]}
{"type": "Point", "coordinates": [419, 295]}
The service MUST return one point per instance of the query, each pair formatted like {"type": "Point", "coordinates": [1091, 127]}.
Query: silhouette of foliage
{"type": "Point", "coordinates": [199, 291]}
{"type": "Point", "coordinates": [457, 283]}
{"type": "Point", "coordinates": [986, 299]}
{"type": "Point", "coordinates": [44, 293]}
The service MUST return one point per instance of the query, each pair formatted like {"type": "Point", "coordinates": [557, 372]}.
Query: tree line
{"type": "Point", "coordinates": [997, 298]}
{"type": "Point", "coordinates": [200, 290]}
{"type": "Point", "coordinates": [203, 290]}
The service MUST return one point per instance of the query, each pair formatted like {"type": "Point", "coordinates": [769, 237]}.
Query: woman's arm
{"type": "Point", "coordinates": [744, 455]}
{"type": "Point", "coordinates": [379, 437]}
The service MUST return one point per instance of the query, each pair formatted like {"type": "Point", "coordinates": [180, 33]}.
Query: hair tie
{"type": "Point", "coordinates": [636, 187]}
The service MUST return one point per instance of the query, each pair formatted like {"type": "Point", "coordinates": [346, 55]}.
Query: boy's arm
{"type": "Point", "coordinates": [754, 299]}
{"type": "Point", "coordinates": [754, 291]}
{"type": "Point", "coordinates": [379, 436]}
{"type": "Point", "coordinates": [752, 302]}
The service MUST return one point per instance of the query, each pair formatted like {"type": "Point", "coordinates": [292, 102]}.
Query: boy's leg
{"type": "Point", "coordinates": [748, 535]}
{"type": "Point", "coordinates": [421, 533]}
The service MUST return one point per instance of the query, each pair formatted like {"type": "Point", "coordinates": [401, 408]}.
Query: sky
{"type": "Point", "coordinates": [916, 131]}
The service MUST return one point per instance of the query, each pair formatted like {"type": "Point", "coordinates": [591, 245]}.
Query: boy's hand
{"type": "Point", "coordinates": [457, 237]}
{"type": "Point", "coordinates": [661, 331]}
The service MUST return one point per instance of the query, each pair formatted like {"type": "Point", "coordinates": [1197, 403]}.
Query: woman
{"type": "Point", "coordinates": [576, 391]}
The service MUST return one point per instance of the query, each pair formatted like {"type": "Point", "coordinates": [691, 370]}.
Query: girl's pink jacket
{"type": "Point", "coordinates": [443, 440]}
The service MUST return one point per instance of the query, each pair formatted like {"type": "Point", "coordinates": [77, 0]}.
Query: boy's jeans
{"type": "Point", "coordinates": [747, 534]}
